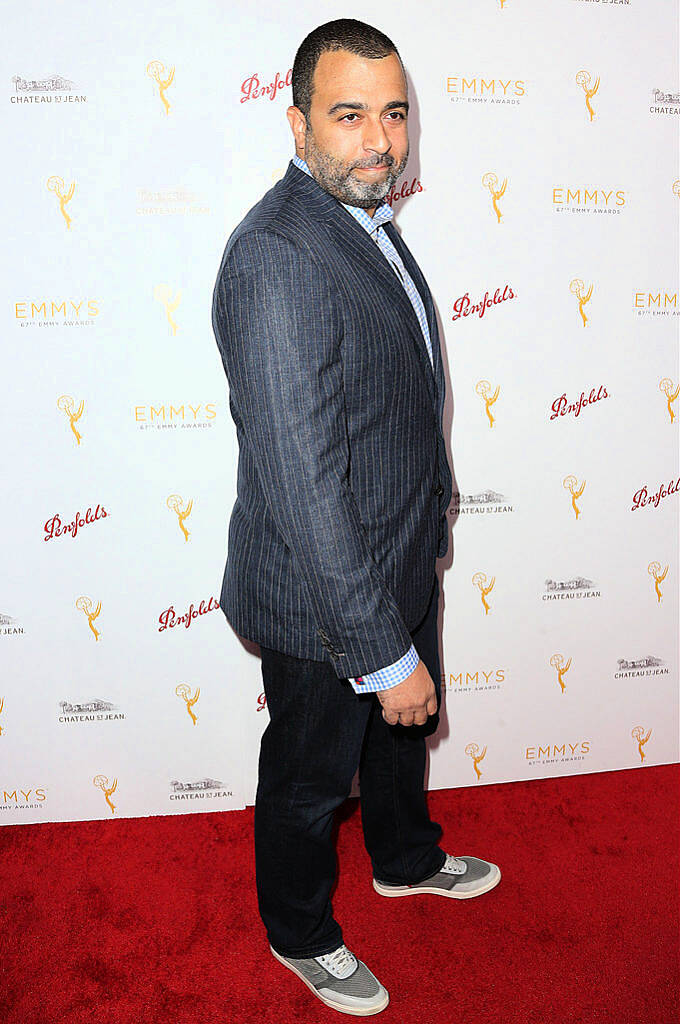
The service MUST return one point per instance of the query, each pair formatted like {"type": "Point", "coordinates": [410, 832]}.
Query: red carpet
{"type": "Point", "coordinates": [151, 920]}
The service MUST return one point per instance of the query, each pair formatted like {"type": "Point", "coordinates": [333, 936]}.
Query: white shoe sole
{"type": "Point", "coordinates": [416, 890]}
{"type": "Point", "coordinates": [341, 1007]}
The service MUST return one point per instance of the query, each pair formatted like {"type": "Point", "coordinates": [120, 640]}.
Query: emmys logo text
{"type": "Point", "coordinates": [55, 528]}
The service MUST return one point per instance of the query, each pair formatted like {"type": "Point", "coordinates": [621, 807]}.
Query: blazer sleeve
{"type": "Point", "coordinates": [279, 332]}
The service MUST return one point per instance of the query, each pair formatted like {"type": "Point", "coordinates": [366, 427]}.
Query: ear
{"type": "Point", "coordinates": [298, 126]}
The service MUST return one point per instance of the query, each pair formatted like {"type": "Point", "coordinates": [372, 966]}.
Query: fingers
{"type": "Point", "coordinates": [410, 717]}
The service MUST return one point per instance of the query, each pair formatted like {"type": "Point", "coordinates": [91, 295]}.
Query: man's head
{"type": "Point", "coordinates": [349, 111]}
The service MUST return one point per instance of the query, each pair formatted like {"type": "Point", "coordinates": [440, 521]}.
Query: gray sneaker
{"type": "Point", "coordinates": [340, 981]}
{"type": "Point", "coordinates": [459, 877]}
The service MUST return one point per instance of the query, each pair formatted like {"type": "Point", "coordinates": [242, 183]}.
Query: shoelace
{"type": "Point", "coordinates": [453, 866]}
{"type": "Point", "coordinates": [340, 963]}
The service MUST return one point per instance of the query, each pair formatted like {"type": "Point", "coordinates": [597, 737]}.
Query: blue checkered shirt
{"type": "Point", "coordinates": [384, 678]}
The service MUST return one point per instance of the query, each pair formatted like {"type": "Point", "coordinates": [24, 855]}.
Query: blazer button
{"type": "Point", "coordinates": [439, 489]}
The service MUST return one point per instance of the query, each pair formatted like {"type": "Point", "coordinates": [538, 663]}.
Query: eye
{"type": "Point", "coordinates": [400, 116]}
{"type": "Point", "coordinates": [348, 115]}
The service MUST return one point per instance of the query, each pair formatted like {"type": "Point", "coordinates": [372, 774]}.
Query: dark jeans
{"type": "Point", "coordinates": [319, 731]}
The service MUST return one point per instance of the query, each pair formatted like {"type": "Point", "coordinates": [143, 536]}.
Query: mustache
{"type": "Point", "coordinates": [387, 161]}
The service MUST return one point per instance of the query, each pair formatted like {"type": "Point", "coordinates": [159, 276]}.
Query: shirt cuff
{"type": "Point", "coordinates": [391, 675]}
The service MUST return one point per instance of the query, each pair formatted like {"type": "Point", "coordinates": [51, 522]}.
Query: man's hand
{"type": "Point", "coordinates": [411, 701]}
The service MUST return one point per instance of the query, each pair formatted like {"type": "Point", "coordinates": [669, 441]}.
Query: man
{"type": "Point", "coordinates": [328, 337]}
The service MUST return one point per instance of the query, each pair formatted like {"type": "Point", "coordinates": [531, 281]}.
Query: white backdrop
{"type": "Point", "coordinates": [137, 136]}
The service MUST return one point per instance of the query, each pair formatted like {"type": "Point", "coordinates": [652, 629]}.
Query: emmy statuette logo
{"type": "Point", "coordinates": [654, 570]}
{"type": "Point", "coordinates": [472, 750]}
{"type": "Point", "coordinates": [155, 69]}
{"type": "Point", "coordinates": [490, 182]}
{"type": "Point", "coordinates": [57, 185]}
{"type": "Point", "coordinates": [671, 393]}
{"type": "Point", "coordinates": [163, 293]}
{"type": "Point", "coordinates": [577, 288]}
{"type": "Point", "coordinates": [638, 734]}
{"type": "Point", "coordinates": [583, 78]}
{"type": "Point", "coordinates": [479, 580]}
{"type": "Point", "coordinates": [571, 484]}
{"type": "Point", "coordinates": [84, 604]}
{"type": "Point", "coordinates": [176, 505]}
{"type": "Point", "coordinates": [67, 406]}
{"type": "Point", "coordinates": [557, 662]}
{"type": "Point", "coordinates": [483, 389]}
{"type": "Point", "coordinates": [101, 782]}
{"type": "Point", "coordinates": [183, 690]}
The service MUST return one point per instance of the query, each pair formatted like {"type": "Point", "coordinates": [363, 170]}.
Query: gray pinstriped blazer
{"type": "Point", "coordinates": [343, 481]}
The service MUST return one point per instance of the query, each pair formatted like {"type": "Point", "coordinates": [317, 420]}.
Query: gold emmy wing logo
{"type": "Point", "coordinates": [2, 704]}
{"type": "Point", "coordinates": [570, 484]}
{"type": "Point", "coordinates": [557, 662]}
{"type": "Point", "coordinates": [671, 393]}
{"type": "Point", "coordinates": [584, 80]}
{"type": "Point", "coordinates": [675, 187]}
{"type": "Point", "coordinates": [56, 184]}
{"type": "Point", "coordinates": [577, 288]}
{"type": "Point", "coordinates": [175, 504]}
{"type": "Point", "coordinates": [184, 691]}
{"type": "Point", "coordinates": [163, 293]}
{"type": "Point", "coordinates": [84, 604]}
{"type": "Point", "coordinates": [101, 782]}
{"type": "Point", "coordinates": [654, 569]}
{"type": "Point", "coordinates": [490, 182]}
{"type": "Point", "coordinates": [156, 69]}
{"type": "Point", "coordinates": [472, 750]}
{"type": "Point", "coordinates": [483, 389]}
{"type": "Point", "coordinates": [67, 405]}
{"type": "Point", "coordinates": [479, 580]}
{"type": "Point", "coordinates": [638, 734]}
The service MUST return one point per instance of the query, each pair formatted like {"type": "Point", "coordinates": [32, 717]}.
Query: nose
{"type": "Point", "coordinates": [375, 139]}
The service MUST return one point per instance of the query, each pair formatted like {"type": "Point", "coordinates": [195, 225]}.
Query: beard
{"type": "Point", "coordinates": [336, 177]}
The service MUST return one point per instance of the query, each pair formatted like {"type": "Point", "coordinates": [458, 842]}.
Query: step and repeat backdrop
{"type": "Point", "coordinates": [541, 199]}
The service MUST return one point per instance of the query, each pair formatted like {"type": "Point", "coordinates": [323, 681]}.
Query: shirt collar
{"type": "Point", "coordinates": [383, 212]}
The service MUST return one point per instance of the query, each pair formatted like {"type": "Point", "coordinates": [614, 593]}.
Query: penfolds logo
{"type": "Point", "coordinates": [643, 497]}
{"type": "Point", "coordinates": [395, 194]}
{"type": "Point", "coordinates": [464, 307]}
{"type": "Point", "coordinates": [252, 88]}
{"type": "Point", "coordinates": [54, 527]}
{"type": "Point", "coordinates": [561, 406]}
{"type": "Point", "coordinates": [169, 618]}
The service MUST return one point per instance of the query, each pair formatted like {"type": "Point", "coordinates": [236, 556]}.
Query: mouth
{"type": "Point", "coordinates": [373, 170]}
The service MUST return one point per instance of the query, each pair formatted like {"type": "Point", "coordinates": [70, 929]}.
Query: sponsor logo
{"type": "Point", "coordinates": [483, 389]}
{"type": "Point", "coordinates": [202, 789]}
{"type": "Point", "coordinates": [476, 89]}
{"type": "Point", "coordinates": [9, 626]}
{"type": "Point", "coordinates": [578, 288]}
{"type": "Point", "coordinates": [55, 528]}
{"type": "Point", "coordinates": [647, 666]}
{"type": "Point", "coordinates": [94, 710]}
{"type": "Point", "coordinates": [395, 194]}
{"type": "Point", "coordinates": [483, 503]}
{"type": "Point", "coordinates": [183, 690]}
{"type": "Point", "coordinates": [168, 619]}
{"type": "Point", "coordinates": [163, 293]}
{"type": "Point", "coordinates": [571, 484]}
{"type": "Point", "coordinates": [665, 102]}
{"type": "Point", "coordinates": [554, 753]}
{"type": "Point", "coordinates": [577, 199]}
{"type": "Point", "coordinates": [54, 313]}
{"type": "Point", "coordinates": [490, 183]}
{"type": "Point", "coordinates": [101, 782]}
{"type": "Point", "coordinates": [583, 78]}
{"type": "Point", "coordinates": [642, 497]}
{"type": "Point", "coordinates": [182, 511]}
{"type": "Point", "coordinates": [659, 575]}
{"type": "Point", "coordinates": [165, 202]}
{"type": "Point", "coordinates": [261, 701]}
{"type": "Point", "coordinates": [472, 751]}
{"type": "Point", "coordinates": [576, 588]}
{"type": "Point", "coordinates": [155, 69]}
{"type": "Point", "coordinates": [167, 416]}
{"type": "Point", "coordinates": [473, 682]}
{"type": "Point", "coordinates": [23, 799]}
{"type": "Point", "coordinates": [464, 307]}
{"type": "Point", "coordinates": [638, 734]}
{"type": "Point", "coordinates": [671, 393]}
{"type": "Point", "coordinates": [53, 89]}
{"type": "Point", "coordinates": [653, 304]}
{"type": "Point", "coordinates": [485, 587]}
{"type": "Point", "coordinates": [84, 605]}
{"type": "Point", "coordinates": [252, 88]}
{"type": "Point", "coordinates": [561, 406]}
{"type": "Point", "coordinates": [561, 668]}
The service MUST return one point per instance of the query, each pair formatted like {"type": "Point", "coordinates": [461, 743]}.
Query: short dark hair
{"type": "Point", "coordinates": [341, 34]}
